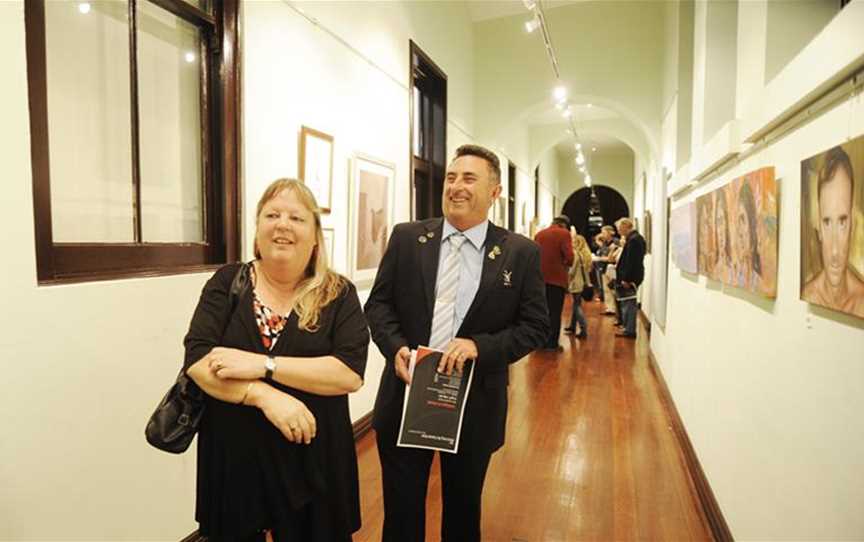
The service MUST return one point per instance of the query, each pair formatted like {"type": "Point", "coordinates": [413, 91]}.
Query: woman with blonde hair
{"type": "Point", "coordinates": [579, 278]}
{"type": "Point", "coordinates": [276, 455]}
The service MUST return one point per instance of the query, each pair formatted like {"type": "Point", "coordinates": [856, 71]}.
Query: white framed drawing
{"type": "Point", "coordinates": [316, 165]}
{"type": "Point", "coordinates": [328, 246]}
{"type": "Point", "coordinates": [370, 215]}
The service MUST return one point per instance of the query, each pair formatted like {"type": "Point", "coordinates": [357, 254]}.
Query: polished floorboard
{"type": "Point", "coordinates": [590, 454]}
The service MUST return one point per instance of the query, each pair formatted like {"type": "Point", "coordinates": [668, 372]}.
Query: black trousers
{"type": "Point", "coordinates": [405, 477]}
{"type": "Point", "coordinates": [555, 301]}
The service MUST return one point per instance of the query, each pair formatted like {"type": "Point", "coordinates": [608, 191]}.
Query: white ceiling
{"type": "Point", "coordinates": [581, 113]}
{"type": "Point", "coordinates": [603, 144]}
{"type": "Point", "coordinates": [482, 10]}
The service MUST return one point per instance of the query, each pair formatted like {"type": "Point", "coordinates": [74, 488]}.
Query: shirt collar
{"type": "Point", "coordinates": [476, 234]}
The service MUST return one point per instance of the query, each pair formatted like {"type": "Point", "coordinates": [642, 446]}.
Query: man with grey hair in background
{"type": "Point", "coordinates": [630, 272]}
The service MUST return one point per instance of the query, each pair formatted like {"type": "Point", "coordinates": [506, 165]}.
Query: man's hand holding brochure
{"type": "Point", "coordinates": [434, 402]}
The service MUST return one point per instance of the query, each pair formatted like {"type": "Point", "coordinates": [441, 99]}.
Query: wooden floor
{"type": "Point", "coordinates": [589, 453]}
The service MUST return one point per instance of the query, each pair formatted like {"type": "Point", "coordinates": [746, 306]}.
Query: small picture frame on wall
{"type": "Point", "coordinates": [370, 215]}
{"type": "Point", "coordinates": [328, 246]}
{"type": "Point", "coordinates": [646, 231]}
{"type": "Point", "coordinates": [315, 165]}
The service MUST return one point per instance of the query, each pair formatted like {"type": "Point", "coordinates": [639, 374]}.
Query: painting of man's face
{"type": "Point", "coordinates": [835, 224]}
{"type": "Point", "coordinates": [832, 237]}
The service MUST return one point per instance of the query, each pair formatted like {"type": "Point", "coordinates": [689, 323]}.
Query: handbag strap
{"type": "Point", "coordinates": [238, 287]}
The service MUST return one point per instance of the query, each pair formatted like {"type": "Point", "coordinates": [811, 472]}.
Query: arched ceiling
{"type": "Point", "coordinates": [610, 55]}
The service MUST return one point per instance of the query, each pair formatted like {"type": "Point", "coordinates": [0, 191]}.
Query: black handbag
{"type": "Point", "coordinates": [175, 421]}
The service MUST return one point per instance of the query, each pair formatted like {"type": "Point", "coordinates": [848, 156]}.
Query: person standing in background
{"type": "Point", "coordinates": [630, 271]}
{"type": "Point", "coordinates": [556, 255]}
{"type": "Point", "coordinates": [579, 279]}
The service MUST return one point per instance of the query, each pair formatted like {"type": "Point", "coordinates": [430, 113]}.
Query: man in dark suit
{"type": "Point", "coordinates": [474, 291]}
{"type": "Point", "coordinates": [629, 272]}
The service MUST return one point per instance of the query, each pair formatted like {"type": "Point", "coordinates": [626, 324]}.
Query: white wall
{"type": "Point", "coordinates": [85, 364]}
{"type": "Point", "coordinates": [770, 391]}
{"type": "Point", "coordinates": [791, 25]}
{"type": "Point", "coordinates": [720, 67]}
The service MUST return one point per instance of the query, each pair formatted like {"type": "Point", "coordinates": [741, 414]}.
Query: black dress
{"type": "Point", "coordinates": [250, 477]}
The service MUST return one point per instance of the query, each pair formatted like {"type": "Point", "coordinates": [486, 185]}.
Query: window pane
{"type": "Point", "coordinates": [89, 134]}
{"type": "Point", "coordinates": [169, 71]}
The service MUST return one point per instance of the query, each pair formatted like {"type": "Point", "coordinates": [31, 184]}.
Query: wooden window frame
{"type": "Point", "coordinates": [220, 145]}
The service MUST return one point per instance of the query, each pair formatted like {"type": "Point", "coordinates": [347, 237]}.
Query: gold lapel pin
{"type": "Point", "coordinates": [430, 235]}
{"type": "Point", "coordinates": [495, 252]}
{"type": "Point", "coordinates": [421, 239]}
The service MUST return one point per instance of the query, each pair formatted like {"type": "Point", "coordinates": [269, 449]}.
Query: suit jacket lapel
{"type": "Point", "coordinates": [495, 237]}
{"type": "Point", "coordinates": [430, 251]}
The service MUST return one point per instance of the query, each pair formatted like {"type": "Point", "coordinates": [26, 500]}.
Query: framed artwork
{"type": "Point", "coordinates": [316, 165]}
{"type": "Point", "coordinates": [370, 215]}
{"type": "Point", "coordinates": [646, 231]}
{"type": "Point", "coordinates": [737, 232]}
{"type": "Point", "coordinates": [499, 212]}
{"type": "Point", "coordinates": [523, 224]}
{"type": "Point", "coordinates": [328, 246]}
{"type": "Point", "coordinates": [682, 237]}
{"type": "Point", "coordinates": [832, 228]}
{"type": "Point", "coordinates": [753, 235]}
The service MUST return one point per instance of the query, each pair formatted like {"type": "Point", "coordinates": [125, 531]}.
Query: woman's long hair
{"type": "Point", "coordinates": [320, 285]}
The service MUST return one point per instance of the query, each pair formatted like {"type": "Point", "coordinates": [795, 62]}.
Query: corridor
{"type": "Point", "coordinates": [590, 454]}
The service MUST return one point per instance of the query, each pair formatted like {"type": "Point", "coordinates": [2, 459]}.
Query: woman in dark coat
{"type": "Point", "coordinates": [276, 456]}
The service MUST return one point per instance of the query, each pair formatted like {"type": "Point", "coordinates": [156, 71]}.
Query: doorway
{"type": "Point", "coordinates": [427, 105]}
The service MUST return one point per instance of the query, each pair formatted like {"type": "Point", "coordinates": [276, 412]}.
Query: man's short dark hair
{"type": "Point", "coordinates": [485, 154]}
{"type": "Point", "coordinates": [836, 159]}
{"type": "Point", "coordinates": [562, 220]}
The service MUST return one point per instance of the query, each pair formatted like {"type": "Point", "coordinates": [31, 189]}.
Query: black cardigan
{"type": "Point", "coordinates": [249, 475]}
{"type": "Point", "coordinates": [631, 266]}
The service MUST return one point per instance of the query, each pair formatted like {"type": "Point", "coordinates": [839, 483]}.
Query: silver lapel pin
{"type": "Point", "coordinates": [507, 278]}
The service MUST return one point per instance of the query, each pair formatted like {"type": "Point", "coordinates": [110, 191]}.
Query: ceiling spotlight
{"type": "Point", "coordinates": [560, 93]}
{"type": "Point", "coordinates": [589, 106]}
{"type": "Point", "coordinates": [84, 8]}
{"type": "Point", "coordinates": [580, 159]}
{"type": "Point", "coordinates": [530, 4]}
{"type": "Point", "coordinates": [593, 149]}
{"type": "Point", "coordinates": [588, 180]}
{"type": "Point", "coordinates": [189, 57]}
{"type": "Point", "coordinates": [532, 25]}
{"type": "Point", "coordinates": [578, 146]}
